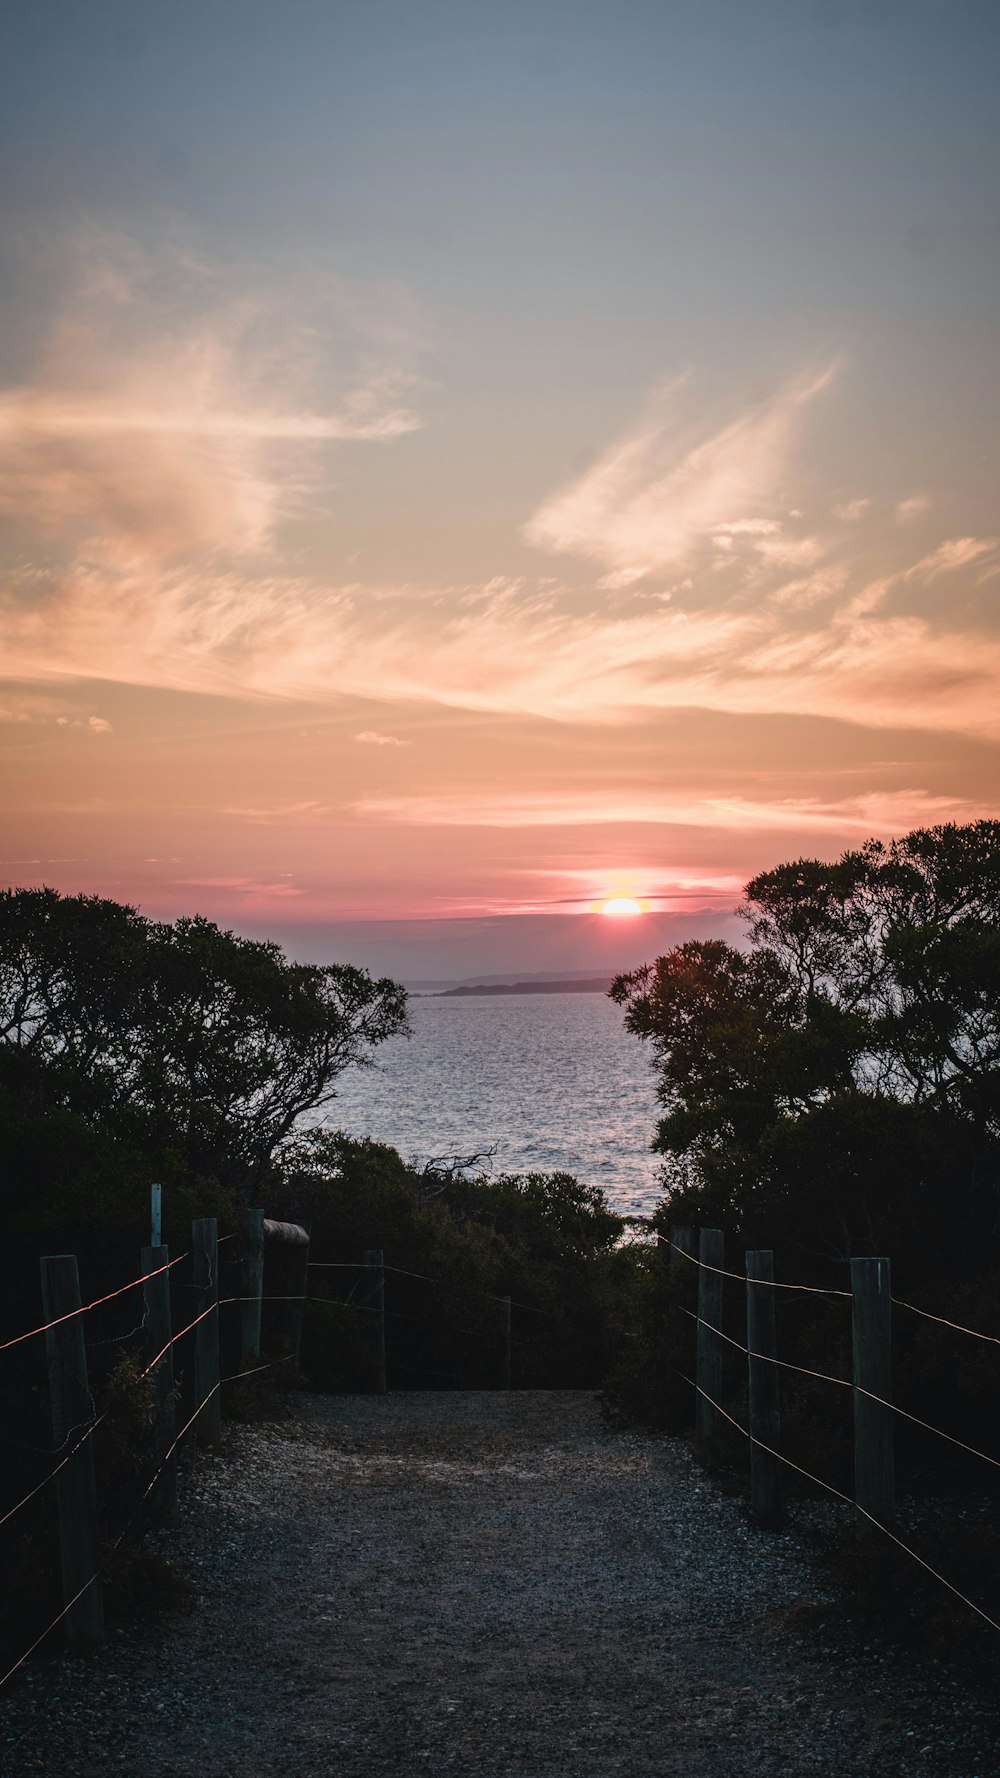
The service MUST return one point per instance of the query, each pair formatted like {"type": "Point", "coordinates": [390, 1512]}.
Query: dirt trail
{"type": "Point", "coordinates": [496, 1586]}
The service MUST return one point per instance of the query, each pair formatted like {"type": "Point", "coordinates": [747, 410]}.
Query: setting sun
{"type": "Point", "coordinates": [622, 906]}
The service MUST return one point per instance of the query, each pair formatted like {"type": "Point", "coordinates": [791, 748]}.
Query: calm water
{"type": "Point", "coordinates": [551, 1078]}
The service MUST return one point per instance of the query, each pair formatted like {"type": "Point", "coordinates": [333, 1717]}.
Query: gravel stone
{"type": "Point", "coordinates": [491, 1585]}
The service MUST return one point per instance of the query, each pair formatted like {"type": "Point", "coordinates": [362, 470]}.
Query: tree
{"type": "Point", "coordinates": [866, 1002]}
{"type": "Point", "coordinates": [188, 1041]}
{"type": "Point", "coordinates": [907, 937]}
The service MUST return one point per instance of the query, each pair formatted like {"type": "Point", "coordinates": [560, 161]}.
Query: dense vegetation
{"type": "Point", "coordinates": [133, 1051]}
{"type": "Point", "coordinates": [455, 1242]}
{"type": "Point", "coordinates": [834, 1089]}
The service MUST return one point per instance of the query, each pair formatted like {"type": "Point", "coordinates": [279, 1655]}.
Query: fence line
{"type": "Point", "coordinates": [822, 1290]}
{"type": "Point", "coordinates": [104, 1568]}
{"type": "Point", "coordinates": [95, 1423]}
{"type": "Point", "coordinates": [848, 1501]}
{"type": "Point", "coordinates": [872, 1500]}
{"type": "Point", "coordinates": [869, 1480]}
{"type": "Point", "coordinates": [277, 1236]}
{"type": "Point", "coordinates": [786, 1364]}
{"type": "Point", "coordinates": [742, 1278]}
{"type": "Point", "coordinates": [943, 1319]}
{"type": "Point", "coordinates": [72, 1528]}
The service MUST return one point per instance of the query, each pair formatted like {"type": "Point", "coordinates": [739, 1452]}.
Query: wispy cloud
{"type": "Point", "coordinates": [956, 553]}
{"type": "Point", "coordinates": [160, 415]}
{"type": "Point", "coordinates": [894, 811]}
{"type": "Point", "coordinates": [249, 888]}
{"type": "Point", "coordinates": [661, 490]}
{"type": "Point", "coordinates": [509, 647]}
{"type": "Point", "coordinates": [371, 738]}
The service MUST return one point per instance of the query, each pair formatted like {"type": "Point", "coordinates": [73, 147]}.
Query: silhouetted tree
{"type": "Point", "coordinates": [842, 1072]}
{"type": "Point", "coordinates": [185, 1041]}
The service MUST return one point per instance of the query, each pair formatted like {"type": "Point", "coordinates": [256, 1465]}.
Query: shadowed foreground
{"type": "Point", "coordinates": [483, 1584]}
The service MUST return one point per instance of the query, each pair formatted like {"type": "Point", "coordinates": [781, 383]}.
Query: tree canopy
{"type": "Point", "coordinates": [183, 1039]}
{"type": "Point", "coordinates": [849, 1057]}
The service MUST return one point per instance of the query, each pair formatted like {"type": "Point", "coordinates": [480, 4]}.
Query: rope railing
{"type": "Point", "coordinates": [96, 1302]}
{"type": "Point", "coordinates": [85, 1308]}
{"type": "Point", "coordinates": [202, 1253]}
{"type": "Point", "coordinates": [786, 1364]}
{"type": "Point", "coordinates": [870, 1385]}
{"type": "Point", "coordinates": [848, 1500]}
{"type": "Point", "coordinates": [823, 1290]}
{"type": "Point", "coordinates": [956, 1326]}
{"type": "Point", "coordinates": [104, 1568]}
{"type": "Point", "coordinates": [425, 1278]}
{"type": "Point", "coordinates": [871, 1390]}
{"type": "Point", "coordinates": [100, 1418]}
{"type": "Point", "coordinates": [372, 1304]}
{"type": "Point", "coordinates": [741, 1277]}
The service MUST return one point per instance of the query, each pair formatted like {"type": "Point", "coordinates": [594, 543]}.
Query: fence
{"type": "Point", "coordinates": [276, 1290]}
{"type": "Point", "coordinates": [870, 1384]}
{"type": "Point", "coordinates": [270, 1268]}
{"type": "Point", "coordinates": [258, 1325]}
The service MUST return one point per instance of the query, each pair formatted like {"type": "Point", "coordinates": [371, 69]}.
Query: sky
{"type": "Point", "coordinates": [462, 464]}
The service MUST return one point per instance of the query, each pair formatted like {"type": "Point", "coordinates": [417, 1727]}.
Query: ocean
{"type": "Point", "coordinates": [552, 1079]}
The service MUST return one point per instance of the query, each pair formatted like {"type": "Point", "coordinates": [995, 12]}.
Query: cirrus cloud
{"type": "Point", "coordinates": [659, 491]}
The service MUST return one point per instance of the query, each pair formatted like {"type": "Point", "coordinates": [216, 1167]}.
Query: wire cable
{"type": "Point", "coordinates": [86, 1307]}
{"type": "Point", "coordinates": [846, 1498]}
{"type": "Point", "coordinates": [943, 1319]}
{"type": "Point", "coordinates": [742, 1278]}
{"type": "Point", "coordinates": [845, 1383]}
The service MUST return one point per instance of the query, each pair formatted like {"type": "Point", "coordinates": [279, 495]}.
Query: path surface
{"type": "Point", "coordinates": [493, 1586]}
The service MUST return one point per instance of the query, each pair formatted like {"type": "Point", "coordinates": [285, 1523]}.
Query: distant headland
{"type": "Point", "coordinates": [596, 984]}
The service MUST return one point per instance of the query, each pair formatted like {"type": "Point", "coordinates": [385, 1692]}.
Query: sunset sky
{"type": "Point", "coordinates": [463, 463]}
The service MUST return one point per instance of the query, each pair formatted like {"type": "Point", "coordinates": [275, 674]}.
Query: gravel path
{"type": "Point", "coordinates": [488, 1585]}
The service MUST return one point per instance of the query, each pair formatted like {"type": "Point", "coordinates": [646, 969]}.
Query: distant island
{"type": "Point", "coordinates": [597, 984]}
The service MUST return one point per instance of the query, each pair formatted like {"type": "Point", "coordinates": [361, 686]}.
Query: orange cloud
{"type": "Point", "coordinates": [658, 492]}
{"type": "Point", "coordinates": [894, 811]}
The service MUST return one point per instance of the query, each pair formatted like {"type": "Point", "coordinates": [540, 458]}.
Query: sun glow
{"type": "Point", "coordinates": [622, 907]}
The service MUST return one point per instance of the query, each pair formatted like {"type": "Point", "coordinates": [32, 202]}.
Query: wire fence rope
{"type": "Point", "coordinates": [85, 1308]}
{"type": "Point", "coordinates": [846, 1498]}
{"type": "Point", "coordinates": [104, 1568]}
{"type": "Point", "coordinates": [786, 1364]}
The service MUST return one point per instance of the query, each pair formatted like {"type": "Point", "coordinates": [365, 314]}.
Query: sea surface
{"type": "Point", "coordinates": [552, 1079]}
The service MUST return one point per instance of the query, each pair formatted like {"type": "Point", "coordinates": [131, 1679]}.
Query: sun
{"type": "Point", "coordinates": [622, 907]}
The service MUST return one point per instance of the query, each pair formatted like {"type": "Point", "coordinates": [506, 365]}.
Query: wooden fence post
{"type": "Point", "coordinates": [711, 1255]}
{"type": "Point", "coordinates": [205, 1257]}
{"type": "Point", "coordinates": [505, 1326]}
{"type": "Point", "coordinates": [375, 1262]}
{"type": "Point", "coordinates": [251, 1285]}
{"type": "Point", "coordinates": [764, 1409]}
{"type": "Point", "coordinates": [72, 1412]}
{"type": "Point", "coordinates": [158, 1347]}
{"type": "Point", "coordinates": [874, 1481]}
